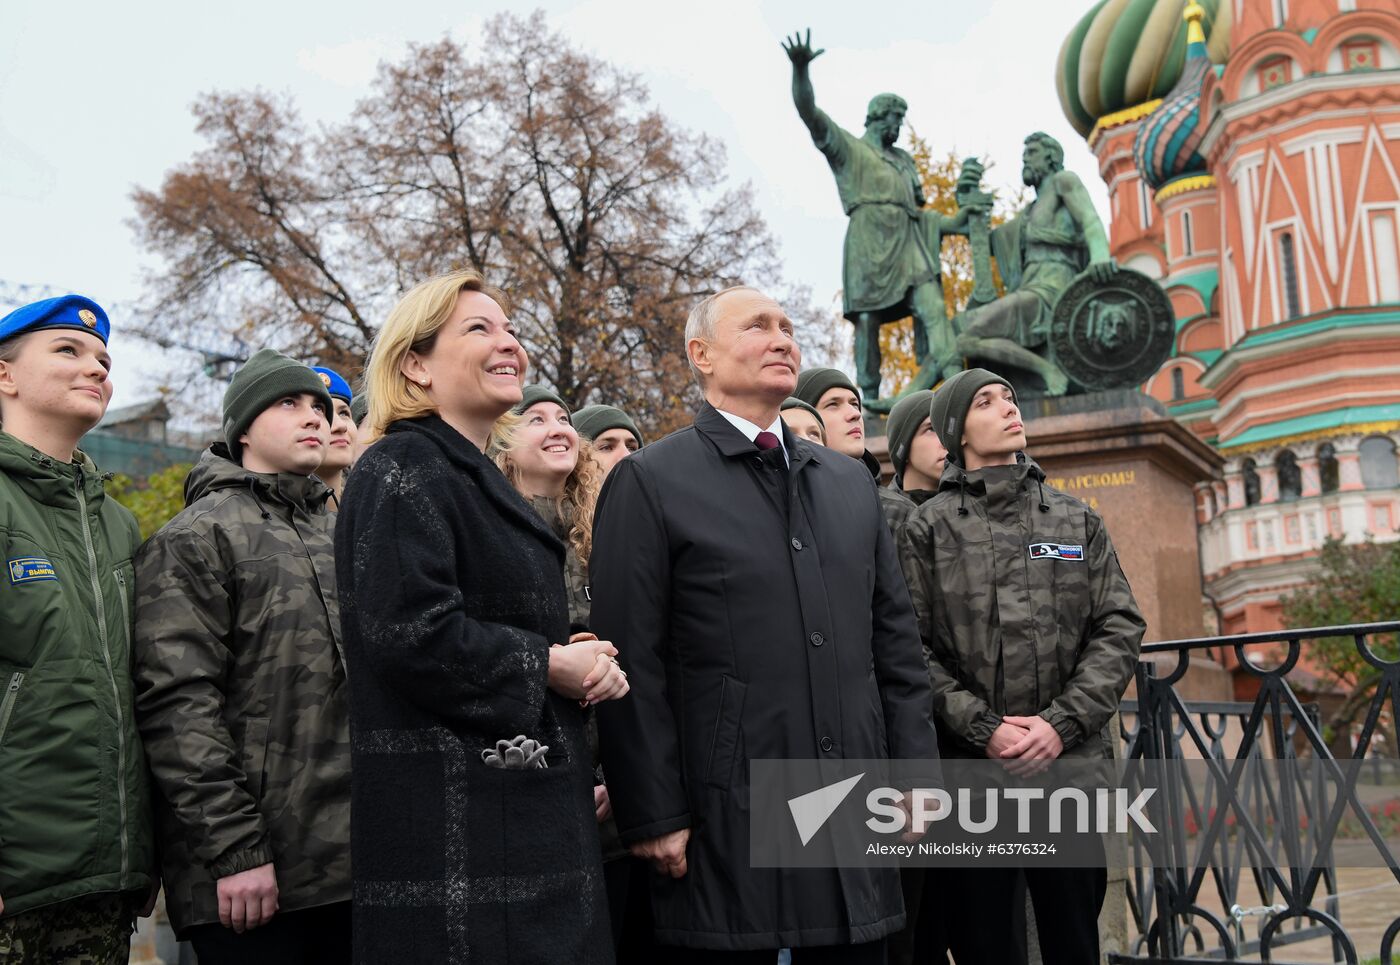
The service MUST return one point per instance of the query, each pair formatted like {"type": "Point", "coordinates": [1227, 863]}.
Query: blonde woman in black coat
{"type": "Point", "coordinates": [473, 835]}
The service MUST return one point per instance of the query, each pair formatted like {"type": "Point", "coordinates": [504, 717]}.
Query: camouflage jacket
{"type": "Point", "coordinates": [1022, 607]}
{"type": "Point", "coordinates": [241, 693]}
{"type": "Point", "coordinates": [898, 505]}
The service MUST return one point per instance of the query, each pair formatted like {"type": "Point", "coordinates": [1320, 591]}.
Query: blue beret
{"type": "Point", "coordinates": [66, 311]}
{"type": "Point", "coordinates": [335, 385]}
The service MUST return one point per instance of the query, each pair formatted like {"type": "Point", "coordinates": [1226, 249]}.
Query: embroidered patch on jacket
{"type": "Point", "coordinates": [30, 569]}
{"type": "Point", "coordinates": [1057, 551]}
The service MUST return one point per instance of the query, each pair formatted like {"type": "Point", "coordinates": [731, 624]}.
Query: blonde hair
{"type": "Point", "coordinates": [9, 351]}
{"type": "Point", "coordinates": [580, 489]}
{"type": "Point", "coordinates": [413, 326]}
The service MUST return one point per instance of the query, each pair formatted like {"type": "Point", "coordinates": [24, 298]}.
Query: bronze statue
{"type": "Point", "coordinates": [1040, 252]}
{"type": "Point", "coordinates": [890, 266]}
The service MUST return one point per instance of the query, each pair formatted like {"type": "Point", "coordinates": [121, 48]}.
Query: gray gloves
{"type": "Point", "coordinates": [516, 755]}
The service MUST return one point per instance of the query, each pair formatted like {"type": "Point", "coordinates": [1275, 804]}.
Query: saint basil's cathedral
{"type": "Point", "coordinates": [1251, 150]}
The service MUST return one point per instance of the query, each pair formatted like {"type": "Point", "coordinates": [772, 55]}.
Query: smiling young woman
{"type": "Point", "coordinates": [453, 608]}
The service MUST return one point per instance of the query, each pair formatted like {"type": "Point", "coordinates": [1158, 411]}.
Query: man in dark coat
{"type": "Point", "coordinates": [754, 595]}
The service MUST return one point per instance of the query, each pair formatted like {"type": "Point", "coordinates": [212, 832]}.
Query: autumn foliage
{"type": "Point", "coordinates": [547, 170]}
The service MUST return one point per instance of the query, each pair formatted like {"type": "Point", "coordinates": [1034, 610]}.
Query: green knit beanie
{"type": "Point", "coordinates": [533, 394]}
{"type": "Point", "coordinates": [903, 424]}
{"type": "Point", "coordinates": [793, 402]}
{"type": "Point", "coordinates": [263, 379]}
{"type": "Point", "coordinates": [815, 383]}
{"type": "Point", "coordinates": [952, 399]}
{"type": "Point", "coordinates": [593, 420]}
{"type": "Point", "coordinates": [359, 406]}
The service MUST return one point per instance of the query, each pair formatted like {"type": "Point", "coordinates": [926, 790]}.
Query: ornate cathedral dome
{"type": "Point", "coordinates": [1168, 142]}
{"type": "Point", "coordinates": [1126, 53]}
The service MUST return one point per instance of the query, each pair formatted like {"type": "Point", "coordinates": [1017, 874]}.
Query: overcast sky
{"type": "Point", "coordinates": [94, 99]}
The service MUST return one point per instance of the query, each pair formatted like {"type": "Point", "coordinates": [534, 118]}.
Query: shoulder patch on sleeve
{"type": "Point", "coordinates": [30, 569]}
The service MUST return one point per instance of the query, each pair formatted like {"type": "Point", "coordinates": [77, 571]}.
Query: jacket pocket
{"type": "Point", "coordinates": [724, 744]}
{"type": "Point", "coordinates": [7, 702]}
{"type": "Point", "coordinates": [255, 754]}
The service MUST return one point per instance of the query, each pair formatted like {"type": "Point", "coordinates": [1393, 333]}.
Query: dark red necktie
{"type": "Point", "coordinates": [766, 441]}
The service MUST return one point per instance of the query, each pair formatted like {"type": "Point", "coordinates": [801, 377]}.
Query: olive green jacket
{"type": "Point", "coordinates": [74, 805]}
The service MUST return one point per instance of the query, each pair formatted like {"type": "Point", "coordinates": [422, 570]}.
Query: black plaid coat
{"type": "Point", "coordinates": [452, 592]}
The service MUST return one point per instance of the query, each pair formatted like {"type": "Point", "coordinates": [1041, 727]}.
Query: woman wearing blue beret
{"type": "Point", "coordinates": [76, 862]}
{"type": "Point", "coordinates": [341, 452]}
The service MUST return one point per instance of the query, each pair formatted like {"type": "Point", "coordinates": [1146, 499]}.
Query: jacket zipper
{"type": "Point", "coordinates": [111, 674]}
{"type": "Point", "coordinates": [7, 706]}
{"type": "Point", "coordinates": [126, 609]}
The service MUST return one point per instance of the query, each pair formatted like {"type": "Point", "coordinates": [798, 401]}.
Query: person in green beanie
{"type": "Point", "coordinates": [837, 401]}
{"type": "Point", "coordinates": [241, 687]}
{"type": "Point", "coordinates": [549, 461]}
{"type": "Point", "coordinates": [918, 457]}
{"type": "Point", "coordinates": [804, 420]}
{"type": "Point", "coordinates": [1031, 634]}
{"type": "Point", "coordinates": [611, 431]}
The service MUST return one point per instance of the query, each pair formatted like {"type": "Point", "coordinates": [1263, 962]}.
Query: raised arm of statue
{"type": "Point", "coordinates": [799, 51]}
{"type": "Point", "coordinates": [1081, 208]}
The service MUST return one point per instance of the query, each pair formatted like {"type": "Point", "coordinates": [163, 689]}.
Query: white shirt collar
{"type": "Point", "coordinates": [751, 431]}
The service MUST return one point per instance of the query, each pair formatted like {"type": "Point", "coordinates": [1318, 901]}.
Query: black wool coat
{"type": "Point", "coordinates": [451, 593]}
{"type": "Point", "coordinates": [759, 614]}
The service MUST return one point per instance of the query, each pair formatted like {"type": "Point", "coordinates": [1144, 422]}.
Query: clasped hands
{"type": "Point", "coordinates": [586, 669]}
{"type": "Point", "coordinates": [1025, 746]}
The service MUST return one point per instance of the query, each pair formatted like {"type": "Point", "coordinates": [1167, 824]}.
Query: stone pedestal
{"type": "Point", "coordinates": [1137, 467]}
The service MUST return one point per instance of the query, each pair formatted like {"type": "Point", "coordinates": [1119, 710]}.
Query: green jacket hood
{"type": "Point", "coordinates": [978, 482]}
{"type": "Point", "coordinates": [47, 480]}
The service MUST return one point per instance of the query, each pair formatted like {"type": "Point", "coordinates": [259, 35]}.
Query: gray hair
{"type": "Point", "coordinates": [700, 323]}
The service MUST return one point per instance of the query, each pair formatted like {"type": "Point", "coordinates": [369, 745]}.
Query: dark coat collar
{"type": "Point", "coordinates": [463, 453]}
{"type": "Point", "coordinates": [727, 438]}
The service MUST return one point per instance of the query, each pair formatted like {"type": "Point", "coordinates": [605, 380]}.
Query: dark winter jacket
{"type": "Point", "coordinates": [74, 808]}
{"type": "Point", "coordinates": [760, 613]}
{"type": "Point", "coordinates": [452, 591]}
{"type": "Point", "coordinates": [1022, 607]}
{"type": "Point", "coordinates": [241, 690]}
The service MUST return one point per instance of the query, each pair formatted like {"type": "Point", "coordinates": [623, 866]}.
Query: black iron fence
{"type": "Point", "coordinates": [1205, 888]}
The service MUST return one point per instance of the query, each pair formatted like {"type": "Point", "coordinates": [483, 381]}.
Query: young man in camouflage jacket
{"type": "Point", "coordinates": [1031, 634]}
{"type": "Point", "coordinates": [918, 457]}
{"type": "Point", "coordinates": [241, 693]}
